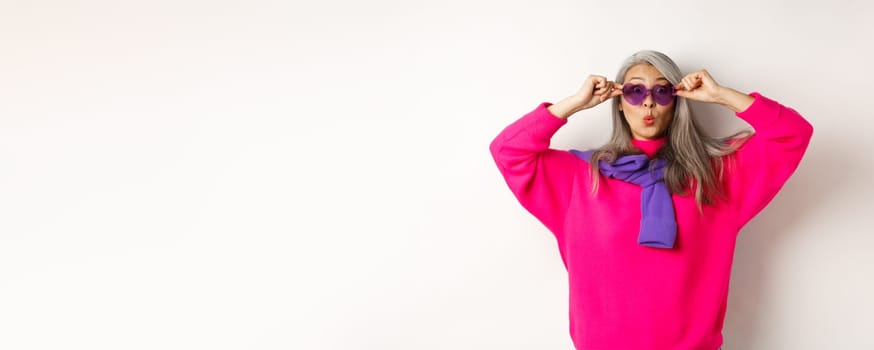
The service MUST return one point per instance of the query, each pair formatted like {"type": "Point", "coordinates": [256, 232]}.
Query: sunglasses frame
{"type": "Point", "coordinates": [663, 100]}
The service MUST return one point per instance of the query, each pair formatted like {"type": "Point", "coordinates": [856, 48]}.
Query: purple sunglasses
{"type": "Point", "coordinates": [636, 93]}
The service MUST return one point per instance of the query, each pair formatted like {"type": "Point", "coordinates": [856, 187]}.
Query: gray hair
{"type": "Point", "coordinates": [694, 159]}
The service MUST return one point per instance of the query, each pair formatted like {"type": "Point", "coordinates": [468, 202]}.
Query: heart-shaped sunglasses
{"type": "Point", "coordinates": [636, 93]}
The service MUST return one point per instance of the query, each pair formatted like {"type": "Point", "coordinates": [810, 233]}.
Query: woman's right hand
{"type": "Point", "coordinates": [597, 89]}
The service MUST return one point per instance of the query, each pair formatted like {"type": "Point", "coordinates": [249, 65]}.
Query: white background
{"type": "Point", "coordinates": [270, 175]}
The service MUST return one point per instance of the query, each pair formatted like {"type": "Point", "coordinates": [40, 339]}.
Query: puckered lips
{"type": "Point", "coordinates": [648, 120]}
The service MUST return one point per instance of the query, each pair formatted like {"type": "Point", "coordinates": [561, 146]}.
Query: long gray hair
{"type": "Point", "coordinates": [694, 159]}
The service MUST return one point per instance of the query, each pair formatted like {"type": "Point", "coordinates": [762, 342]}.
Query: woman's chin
{"type": "Point", "coordinates": [647, 133]}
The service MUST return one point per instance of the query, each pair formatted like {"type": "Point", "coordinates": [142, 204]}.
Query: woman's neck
{"type": "Point", "coordinates": [649, 147]}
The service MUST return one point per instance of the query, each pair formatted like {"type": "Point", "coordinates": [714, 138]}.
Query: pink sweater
{"type": "Point", "coordinates": [624, 295]}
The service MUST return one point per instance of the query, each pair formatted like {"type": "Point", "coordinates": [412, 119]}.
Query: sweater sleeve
{"type": "Point", "coordinates": [768, 158]}
{"type": "Point", "coordinates": [541, 178]}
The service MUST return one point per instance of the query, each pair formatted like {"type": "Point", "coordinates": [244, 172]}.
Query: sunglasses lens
{"type": "Point", "coordinates": [662, 94]}
{"type": "Point", "coordinates": [634, 94]}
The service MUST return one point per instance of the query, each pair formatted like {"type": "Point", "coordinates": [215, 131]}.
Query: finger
{"type": "Point", "coordinates": [597, 79]}
{"type": "Point", "coordinates": [690, 82]}
{"type": "Point", "coordinates": [592, 81]}
{"type": "Point", "coordinates": [612, 90]}
{"type": "Point", "coordinates": [706, 78]}
{"type": "Point", "coordinates": [602, 83]}
{"type": "Point", "coordinates": [607, 87]}
{"type": "Point", "coordinates": [689, 95]}
{"type": "Point", "coordinates": [597, 82]}
{"type": "Point", "coordinates": [698, 79]}
{"type": "Point", "coordinates": [693, 82]}
{"type": "Point", "coordinates": [600, 91]}
{"type": "Point", "coordinates": [615, 89]}
{"type": "Point", "coordinates": [605, 94]}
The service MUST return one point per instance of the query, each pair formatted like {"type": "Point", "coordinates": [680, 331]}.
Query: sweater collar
{"type": "Point", "coordinates": [649, 147]}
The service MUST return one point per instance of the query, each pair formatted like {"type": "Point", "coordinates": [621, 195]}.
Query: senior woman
{"type": "Point", "coordinates": [646, 224]}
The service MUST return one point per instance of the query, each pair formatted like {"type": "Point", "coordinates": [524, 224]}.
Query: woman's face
{"type": "Point", "coordinates": [648, 120]}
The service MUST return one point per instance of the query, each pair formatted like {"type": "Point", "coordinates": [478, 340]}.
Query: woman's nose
{"type": "Point", "coordinates": [648, 101]}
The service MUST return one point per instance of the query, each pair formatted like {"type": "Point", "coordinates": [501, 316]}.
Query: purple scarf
{"type": "Point", "coordinates": [658, 227]}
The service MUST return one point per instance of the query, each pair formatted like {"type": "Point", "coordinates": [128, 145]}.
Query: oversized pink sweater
{"type": "Point", "coordinates": [624, 295]}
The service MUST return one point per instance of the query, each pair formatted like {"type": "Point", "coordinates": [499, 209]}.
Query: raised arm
{"type": "Point", "coordinates": [542, 178]}
{"type": "Point", "coordinates": [765, 162]}
{"type": "Point", "coordinates": [758, 170]}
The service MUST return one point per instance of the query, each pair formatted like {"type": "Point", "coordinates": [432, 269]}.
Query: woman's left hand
{"type": "Point", "coordinates": [699, 86]}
